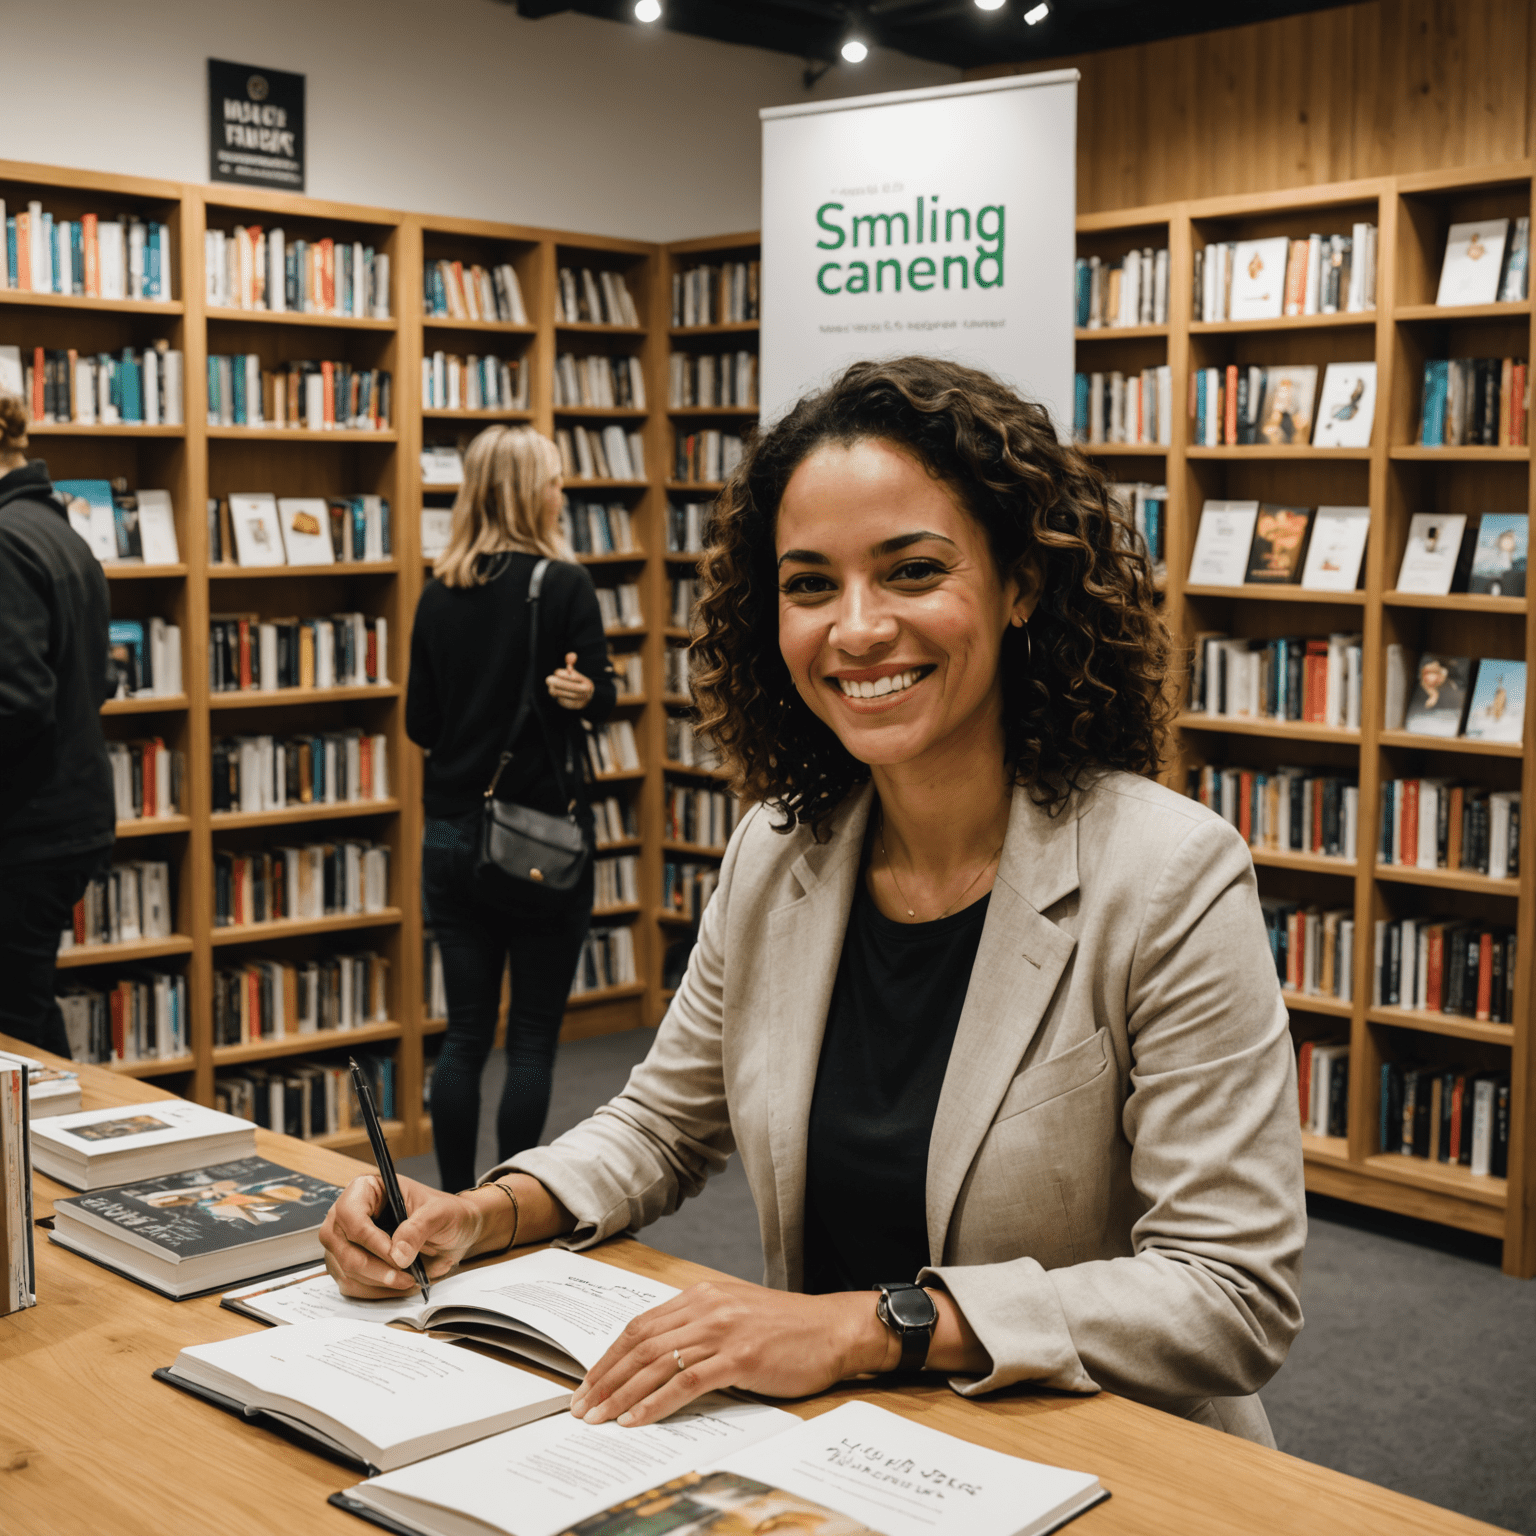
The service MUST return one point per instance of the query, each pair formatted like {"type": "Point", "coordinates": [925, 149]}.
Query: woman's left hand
{"type": "Point", "coordinates": [732, 1334]}
{"type": "Point", "coordinates": [569, 688]}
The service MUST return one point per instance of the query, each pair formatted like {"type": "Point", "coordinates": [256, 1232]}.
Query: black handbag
{"type": "Point", "coordinates": [524, 853]}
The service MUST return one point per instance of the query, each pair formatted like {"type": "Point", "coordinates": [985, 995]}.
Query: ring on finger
{"type": "Point", "coordinates": [677, 1355]}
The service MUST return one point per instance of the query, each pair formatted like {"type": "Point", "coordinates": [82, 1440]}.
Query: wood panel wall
{"type": "Point", "coordinates": [1377, 89]}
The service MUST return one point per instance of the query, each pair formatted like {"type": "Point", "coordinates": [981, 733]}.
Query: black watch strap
{"type": "Point", "coordinates": [909, 1312]}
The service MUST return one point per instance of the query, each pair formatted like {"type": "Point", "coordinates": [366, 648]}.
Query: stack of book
{"type": "Point", "coordinates": [726, 294]}
{"type": "Point", "coordinates": [136, 388]}
{"type": "Point", "coordinates": [1440, 824]}
{"type": "Point", "coordinates": [256, 528]}
{"type": "Point", "coordinates": [249, 267]}
{"type": "Point", "coordinates": [1131, 291]}
{"type": "Point", "coordinates": [1313, 948]}
{"type": "Point", "coordinates": [138, 527]}
{"type": "Point", "coordinates": [145, 657]}
{"type": "Point", "coordinates": [1296, 810]}
{"type": "Point", "coordinates": [1322, 1084]}
{"type": "Point", "coordinates": [686, 522]}
{"type": "Point", "coordinates": [453, 383]}
{"type": "Point", "coordinates": [1481, 698]}
{"type": "Point", "coordinates": [686, 747]}
{"type": "Point", "coordinates": [1445, 965]}
{"type": "Point", "coordinates": [1447, 1115]}
{"type": "Point", "coordinates": [598, 528]}
{"type": "Point", "coordinates": [1272, 544]}
{"type": "Point", "coordinates": [1265, 279]}
{"type": "Point", "coordinates": [147, 778]}
{"type": "Point", "coordinates": [452, 291]}
{"type": "Point", "coordinates": [617, 881]}
{"type": "Point", "coordinates": [704, 817]}
{"type": "Point", "coordinates": [315, 396]}
{"type": "Point", "coordinates": [610, 454]}
{"type": "Point", "coordinates": [315, 880]}
{"type": "Point", "coordinates": [703, 378]}
{"type": "Point", "coordinates": [1238, 406]}
{"type": "Point", "coordinates": [1114, 408]}
{"type": "Point", "coordinates": [584, 297]}
{"type": "Point", "coordinates": [1290, 678]}
{"type": "Point", "coordinates": [607, 960]}
{"type": "Point", "coordinates": [686, 888]}
{"type": "Point", "coordinates": [271, 773]}
{"type": "Point", "coordinates": [275, 999]}
{"type": "Point", "coordinates": [605, 383]}
{"type": "Point", "coordinates": [614, 823]}
{"type": "Point", "coordinates": [1486, 263]}
{"type": "Point", "coordinates": [142, 1017]}
{"type": "Point", "coordinates": [611, 748]}
{"type": "Point", "coordinates": [130, 903]}
{"type": "Point", "coordinates": [706, 457]}
{"type": "Point", "coordinates": [1483, 553]}
{"type": "Point", "coordinates": [620, 606]}
{"type": "Point", "coordinates": [342, 650]}
{"type": "Point", "coordinates": [122, 258]}
{"type": "Point", "coordinates": [1476, 401]}
{"type": "Point", "coordinates": [1145, 508]}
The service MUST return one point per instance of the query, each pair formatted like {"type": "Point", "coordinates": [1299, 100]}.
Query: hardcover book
{"type": "Point", "coordinates": [157, 528]}
{"type": "Point", "coordinates": [258, 538]}
{"type": "Point", "coordinates": [1439, 699]}
{"type": "Point", "coordinates": [1474, 255]}
{"type": "Point", "coordinates": [1336, 549]}
{"type": "Point", "coordinates": [1497, 710]}
{"type": "Point", "coordinates": [1222, 544]}
{"type": "Point", "coordinates": [306, 526]}
{"type": "Point", "coordinates": [1347, 407]}
{"type": "Point", "coordinates": [91, 514]}
{"type": "Point", "coordinates": [1498, 561]}
{"type": "Point", "coordinates": [1258, 278]}
{"type": "Point", "coordinates": [1429, 560]}
{"type": "Point", "coordinates": [202, 1228]}
{"type": "Point", "coordinates": [1287, 412]}
{"type": "Point", "coordinates": [98, 1148]}
{"type": "Point", "coordinates": [1279, 540]}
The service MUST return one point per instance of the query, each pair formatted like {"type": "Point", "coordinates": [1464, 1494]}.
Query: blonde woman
{"type": "Point", "coordinates": [469, 655]}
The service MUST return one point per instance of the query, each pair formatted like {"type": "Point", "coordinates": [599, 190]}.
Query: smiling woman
{"type": "Point", "coordinates": [988, 1015]}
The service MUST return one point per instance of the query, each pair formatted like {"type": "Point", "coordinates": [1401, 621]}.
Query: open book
{"type": "Point", "coordinates": [558, 1309]}
{"type": "Point", "coordinates": [364, 1391]}
{"type": "Point", "coordinates": [726, 1467]}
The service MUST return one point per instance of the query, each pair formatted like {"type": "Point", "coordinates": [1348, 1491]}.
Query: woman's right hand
{"type": "Point", "coordinates": [366, 1261]}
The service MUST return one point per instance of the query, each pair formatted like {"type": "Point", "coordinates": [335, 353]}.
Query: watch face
{"type": "Point", "coordinates": [911, 1307]}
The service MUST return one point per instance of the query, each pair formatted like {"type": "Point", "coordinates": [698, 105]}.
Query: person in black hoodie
{"type": "Point", "coordinates": [57, 808]}
{"type": "Point", "coordinates": [469, 656]}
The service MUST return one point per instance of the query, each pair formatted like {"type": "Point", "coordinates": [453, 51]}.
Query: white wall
{"type": "Point", "coordinates": [432, 106]}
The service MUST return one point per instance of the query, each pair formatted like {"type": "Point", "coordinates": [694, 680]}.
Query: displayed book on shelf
{"type": "Point", "coordinates": [134, 527]}
{"type": "Point", "coordinates": [1120, 408]}
{"type": "Point", "coordinates": [272, 773]}
{"type": "Point", "coordinates": [1483, 264]}
{"type": "Point", "coordinates": [141, 387]}
{"type": "Point", "coordinates": [616, 881]}
{"type": "Point", "coordinates": [1322, 1085]}
{"type": "Point", "coordinates": [1294, 810]}
{"type": "Point", "coordinates": [1314, 679]}
{"type": "Point", "coordinates": [1431, 561]}
{"type": "Point", "coordinates": [686, 522]}
{"type": "Point", "coordinates": [1222, 543]}
{"type": "Point", "coordinates": [306, 1099]}
{"type": "Point", "coordinates": [1279, 542]}
{"type": "Point", "coordinates": [707, 378]}
{"type": "Point", "coordinates": [349, 875]}
{"type": "Point", "coordinates": [452, 291]}
{"type": "Point", "coordinates": [126, 257]}
{"type": "Point", "coordinates": [142, 1017]}
{"type": "Point", "coordinates": [1236, 406]}
{"type": "Point", "coordinates": [706, 456]}
{"type": "Point", "coordinates": [18, 1281]}
{"type": "Point", "coordinates": [1313, 948]}
{"type": "Point", "coordinates": [1336, 549]}
{"type": "Point", "coordinates": [340, 650]}
{"type": "Point", "coordinates": [619, 606]}
{"type": "Point", "coordinates": [1499, 554]}
{"type": "Point", "coordinates": [705, 817]}
{"type": "Point", "coordinates": [1438, 704]}
{"type": "Point", "coordinates": [201, 1229]}
{"type": "Point", "coordinates": [100, 1148]}
{"type": "Point", "coordinates": [437, 531]}
{"type": "Point", "coordinates": [313, 396]}
{"type": "Point", "coordinates": [450, 382]}
{"type": "Point", "coordinates": [1445, 965]}
{"type": "Point", "coordinates": [726, 293]}
{"type": "Point", "coordinates": [1346, 408]}
{"type": "Point", "coordinates": [278, 999]}
{"type": "Point", "coordinates": [1481, 698]}
{"type": "Point", "coordinates": [249, 267]}
{"type": "Point", "coordinates": [144, 655]}
{"type": "Point", "coordinates": [677, 682]}
{"type": "Point", "coordinates": [598, 527]}
{"type": "Point", "coordinates": [607, 453]}
{"type": "Point", "coordinates": [1475, 402]}
{"type": "Point", "coordinates": [612, 748]}
{"type": "Point", "coordinates": [127, 904]}
{"type": "Point", "coordinates": [1130, 291]}
{"type": "Point", "coordinates": [606, 383]}
{"type": "Point", "coordinates": [1447, 1115]}
{"type": "Point", "coordinates": [607, 959]}
{"type": "Point", "coordinates": [686, 887]}
{"type": "Point", "coordinates": [585, 297]}
{"type": "Point", "coordinates": [1496, 710]}
{"type": "Point", "coordinates": [442, 466]}
{"type": "Point", "coordinates": [1440, 823]}
{"type": "Point", "coordinates": [1322, 275]}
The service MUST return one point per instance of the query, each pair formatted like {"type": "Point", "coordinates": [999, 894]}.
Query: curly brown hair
{"type": "Point", "coordinates": [1084, 690]}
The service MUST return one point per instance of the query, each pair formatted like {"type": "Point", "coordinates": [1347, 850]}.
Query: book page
{"type": "Point", "coordinates": [312, 1296]}
{"type": "Point", "coordinates": [543, 1478]}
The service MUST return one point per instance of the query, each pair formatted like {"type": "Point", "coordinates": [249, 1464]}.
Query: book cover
{"type": "Point", "coordinates": [1439, 698]}
{"type": "Point", "coordinates": [1336, 550]}
{"type": "Point", "coordinates": [1279, 540]}
{"type": "Point", "coordinates": [1258, 278]}
{"type": "Point", "coordinates": [253, 521]}
{"type": "Point", "coordinates": [1497, 710]}
{"type": "Point", "coordinates": [125, 656]}
{"type": "Point", "coordinates": [1223, 543]}
{"type": "Point", "coordinates": [1429, 559]}
{"type": "Point", "coordinates": [1289, 391]}
{"type": "Point", "coordinates": [210, 1209]}
{"type": "Point", "coordinates": [157, 528]}
{"type": "Point", "coordinates": [91, 514]}
{"type": "Point", "coordinates": [1498, 560]}
{"type": "Point", "coordinates": [1347, 406]}
{"type": "Point", "coordinates": [305, 523]}
{"type": "Point", "coordinates": [436, 530]}
{"type": "Point", "coordinates": [1474, 255]}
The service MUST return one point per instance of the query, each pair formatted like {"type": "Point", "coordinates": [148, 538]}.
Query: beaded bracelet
{"type": "Point", "coordinates": [517, 1214]}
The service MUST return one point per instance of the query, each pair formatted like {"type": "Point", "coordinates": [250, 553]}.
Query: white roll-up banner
{"type": "Point", "coordinates": [935, 221]}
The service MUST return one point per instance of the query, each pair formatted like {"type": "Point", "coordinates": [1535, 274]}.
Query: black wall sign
{"type": "Point", "coordinates": [255, 126]}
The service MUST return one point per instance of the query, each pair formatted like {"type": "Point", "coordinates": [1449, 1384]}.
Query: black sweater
{"type": "Point", "coordinates": [56, 797]}
{"type": "Point", "coordinates": [469, 653]}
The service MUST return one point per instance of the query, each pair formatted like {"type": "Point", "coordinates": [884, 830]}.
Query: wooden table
{"type": "Point", "coordinates": [89, 1443]}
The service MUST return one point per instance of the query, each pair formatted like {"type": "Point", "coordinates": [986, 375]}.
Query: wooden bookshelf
{"type": "Point", "coordinates": [1396, 478]}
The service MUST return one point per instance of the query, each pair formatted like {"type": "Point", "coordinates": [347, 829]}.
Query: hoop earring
{"type": "Point", "coordinates": [1029, 648]}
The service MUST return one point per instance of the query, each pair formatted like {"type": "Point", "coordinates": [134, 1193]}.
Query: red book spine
{"type": "Point", "coordinates": [79, 921]}
{"type": "Point", "coordinates": [1484, 984]}
{"type": "Point", "coordinates": [1229, 424]}
{"type": "Point", "coordinates": [39, 383]}
{"type": "Point", "coordinates": [1304, 1080]}
{"type": "Point", "coordinates": [245, 653]}
{"type": "Point", "coordinates": [118, 1029]}
{"type": "Point", "coordinates": [1409, 852]}
{"type": "Point", "coordinates": [150, 798]}
{"type": "Point", "coordinates": [1455, 1136]}
{"type": "Point", "coordinates": [1434, 968]}
{"type": "Point", "coordinates": [1245, 806]}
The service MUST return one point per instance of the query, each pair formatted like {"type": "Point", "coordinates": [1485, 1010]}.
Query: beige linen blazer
{"type": "Point", "coordinates": [1114, 1185]}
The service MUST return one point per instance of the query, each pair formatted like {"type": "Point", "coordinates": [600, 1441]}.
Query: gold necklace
{"type": "Point", "coordinates": [958, 899]}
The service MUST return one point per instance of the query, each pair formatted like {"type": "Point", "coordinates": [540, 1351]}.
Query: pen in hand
{"type": "Point", "coordinates": [394, 1212]}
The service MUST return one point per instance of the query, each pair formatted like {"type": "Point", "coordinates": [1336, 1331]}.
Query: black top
{"type": "Point", "coordinates": [895, 1006]}
{"type": "Point", "coordinates": [56, 797]}
{"type": "Point", "coordinates": [469, 652]}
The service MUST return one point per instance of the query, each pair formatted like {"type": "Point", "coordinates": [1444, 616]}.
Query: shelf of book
{"type": "Point", "coordinates": [275, 698]}
{"type": "Point", "coordinates": [1119, 332]}
{"type": "Point", "coordinates": [154, 826]}
{"type": "Point", "coordinates": [486, 416]}
{"type": "Point", "coordinates": [14, 298]}
{"type": "Point", "coordinates": [293, 815]}
{"type": "Point", "coordinates": [1316, 1002]}
{"type": "Point", "coordinates": [1259, 725]}
{"type": "Point", "coordinates": [1278, 595]}
{"type": "Point", "coordinates": [1461, 744]}
{"type": "Point", "coordinates": [129, 952]}
{"type": "Point", "coordinates": [130, 570]}
{"type": "Point", "coordinates": [154, 1066]}
{"type": "Point", "coordinates": [1308, 863]}
{"type": "Point", "coordinates": [1280, 451]}
{"type": "Point", "coordinates": [338, 436]}
{"type": "Point", "coordinates": [1449, 879]}
{"type": "Point", "coordinates": [96, 429]}
{"type": "Point", "coordinates": [1356, 320]}
{"type": "Point", "coordinates": [1455, 602]}
{"type": "Point", "coordinates": [1325, 1149]}
{"type": "Point", "coordinates": [1125, 450]}
{"type": "Point", "coordinates": [1452, 1025]}
{"type": "Point", "coordinates": [298, 927]}
{"type": "Point", "coordinates": [216, 315]}
{"type": "Point", "coordinates": [1467, 454]}
{"type": "Point", "coordinates": [228, 571]}
{"type": "Point", "coordinates": [146, 704]}
{"type": "Point", "coordinates": [299, 1044]}
{"type": "Point", "coordinates": [1447, 314]}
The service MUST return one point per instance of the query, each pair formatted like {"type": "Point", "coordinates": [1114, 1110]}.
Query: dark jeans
{"type": "Point", "coordinates": [476, 937]}
{"type": "Point", "coordinates": [36, 901]}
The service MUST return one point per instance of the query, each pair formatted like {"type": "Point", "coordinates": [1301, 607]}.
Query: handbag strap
{"type": "Point", "coordinates": [525, 701]}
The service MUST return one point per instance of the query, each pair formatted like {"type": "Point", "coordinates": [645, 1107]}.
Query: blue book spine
{"type": "Point", "coordinates": [1388, 1142]}
{"type": "Point", "coordinates": [359, 528]}
{"type": "Point", "coordinates": [1082, 290]}
{"type": "Point", "coordinates": [214, 402]}
{"type": "Point", "coordinates": [77, 256]}
{"type": "Point", "coordinates": [439, 292]}
{"type": "Point", "coordinates": [385, 543]}
{"type": "Point", "coordinates": [237, 383]}
{"type": "Point", "coordinates": [152, 263]}
{"type": "Point", "coordinates": [132, 387]}
{"type": "Point", "coordinates": [10, 252]}
{"type": "Point", "coordinates": [1080, 407]}
{"type": "Point", "coordinates": [1199, 432]}
{"type": "Point", "coordinates": [1437, 374]}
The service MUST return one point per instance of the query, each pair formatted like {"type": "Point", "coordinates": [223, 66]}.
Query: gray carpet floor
{"type": "Point", "coordinates": [1416, 1370]}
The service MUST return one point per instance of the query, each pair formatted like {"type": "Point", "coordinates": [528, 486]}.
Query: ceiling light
{"type": "Point", "coordinates": [647, 10]}
{"type": "Point", "coordinates": [854, 51]}
{"type": "Point", "coordinates": [989, 5]}
{"type": "Point", "coordinates": [1038, 14]}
